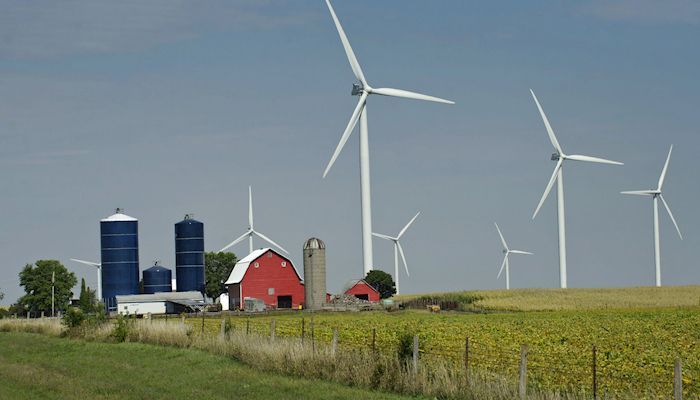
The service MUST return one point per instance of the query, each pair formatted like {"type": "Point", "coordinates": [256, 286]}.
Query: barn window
{"type": "Point", "coordinates": [256, 265]}
{"type": "Point", "coordinates": [271, 291]}
{"type": "Point", "coordinates": [284, 263]}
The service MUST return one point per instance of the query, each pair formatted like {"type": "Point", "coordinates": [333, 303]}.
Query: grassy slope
{"type": "Point", "coordinates": [40, 367]}
{"type": "Point", "coordinates": [573, 299]}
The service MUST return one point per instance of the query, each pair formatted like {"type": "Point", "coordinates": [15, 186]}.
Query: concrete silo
{"type": "Point", "coordinates": [119, 240]}
{"type": "Point", "coordinates": [157, 279]}
{"type": "Point", "coordinates": [189, 255]}
{"type": "Point", "coordinates": [314, 273]}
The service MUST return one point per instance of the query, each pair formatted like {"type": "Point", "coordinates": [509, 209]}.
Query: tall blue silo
{"type": "Point", "coordinates": [119, 237]}
{"type": "Point", "coordinates": [189, 255]}
{"type": "Point", "coordinates": [157, 279]}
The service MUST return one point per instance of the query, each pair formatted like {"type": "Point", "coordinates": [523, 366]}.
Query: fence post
{"type": "Point", "coordinates": [466, 358]}
{"type": "Point", "coordinates": [42, 315]}
{"type": "Point", "coordinates": [202, 321]}
{"type": "Point", "coordinates": [183, 320]}
{"type": "Point", "coordinates": [303, 328]}
{"type": "Point", "coordinates": [334, 343]}
{"type": "Point", "coordinates": [223, 328]}
{"type": "Point", "coordinates": [415, 354]}
{"type": "Point", "coordinates": [522, 387]}
{"type": "Point", "coordinates": [678, 380]}
{"type": "Point", "coordinates": [595, 377]}
{"type": "Point", "coordinates": [313, 342]}
{"type": "Point", "coordinates": [28, 314]}
{"type": "Point", "coordinates": [272, 330]}
{"type": "Point", "coordinates": [247, 326]}
{"type": "Point", "coordinates": [374, 340]}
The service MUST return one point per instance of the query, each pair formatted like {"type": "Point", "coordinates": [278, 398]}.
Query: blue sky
{"type": "Point", "coordinates": [173, 107]}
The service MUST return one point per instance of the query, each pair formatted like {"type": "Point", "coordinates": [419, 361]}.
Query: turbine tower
{"type": "Point", "coordinates": [363, 89]}
{"type": "Point", "coordinates": [507, 252]}
{"type": "Point", "coordinates": [558, 175]}
{"type": "Point", "coordinates": [398, 249]}
{"type": "Point", "coordinates": [251, 230]}
{"type": "Point", "coordinates": [656, 195]}
{"type": "Point", "coordinates": [99, 275]}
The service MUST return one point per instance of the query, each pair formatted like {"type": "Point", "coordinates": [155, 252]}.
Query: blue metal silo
{"type": "Point", "coordinates": [157, 279]}
{"type": "Point", "coordinates": [119, 237]}
{"type": "Point", "coordinates": [189, 255]}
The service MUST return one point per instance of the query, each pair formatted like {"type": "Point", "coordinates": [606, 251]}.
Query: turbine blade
{"type": "Point", "coordinates": [640, 192]}
{"type": "Point", "coordinates": [550, 131]}
{"type": "Point", "coordinates": [549, 187]}
{"type": "Point", "coordinates": [670, 214]}
{"type": "Point", "coordinates": [250, 207]}
{"type": "Point", "coordinates": [403, 257]}
{"type": "Point", "coordinates": [521, 252]}
{"type": "Point", "coordinates": [405, 228]}
{"type": "Point", "coordinates": [387, 237]}
{"type": "Point", "coordinates": [93, 264]}
{"type": "Point", "coordinates": [238, 240]}
{"type": "Point", "coordinates": [267, 239]}
{"type": "Point", "coordinates": [348, 131]}
{"type": "Point", "coordinates": [354, 64]}
{"type": "Point", "coordinates": [577, 157]}
{"type": "Point", "coordinates": [663, 172]}
{"type": "Point", "coordinates": [503, 240]}
{"type": "Point", "coordinates": [409, 95]}
{"type": "Point", "coordinates": [500, 271]}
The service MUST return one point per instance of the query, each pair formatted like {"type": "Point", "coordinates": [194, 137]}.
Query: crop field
{"type": "Point", "coordinates": [636, 349]}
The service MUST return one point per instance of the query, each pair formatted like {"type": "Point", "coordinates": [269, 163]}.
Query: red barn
{"type": "Point", "coordinates": [266, 275]}
{"type": "Point", "coordinates": [362, 290]}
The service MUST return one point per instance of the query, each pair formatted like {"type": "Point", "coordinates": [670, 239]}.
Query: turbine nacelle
{"type": "Point", "coordinates": [357, 89]}
{"type": "Point", "coordinates": [556, 156]}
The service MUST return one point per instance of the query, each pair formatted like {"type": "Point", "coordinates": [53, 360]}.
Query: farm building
{"type": "Point", "coordinates": [159, 303]}
{"type": "Point", "coordinates": [362, 290]}
{"type": "Point", "coordinates": [267, 276]}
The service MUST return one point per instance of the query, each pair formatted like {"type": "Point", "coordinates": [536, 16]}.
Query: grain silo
{"type": "Point", "coordinates": [314, 273]}
{"type": "Point", "coordinates": [119, 239]}
{"type": "Point", "coordinates": [157, 279]}
{"type": "Point", "coordinates": [189, 255]}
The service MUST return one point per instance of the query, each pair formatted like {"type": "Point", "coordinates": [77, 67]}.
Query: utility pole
{"type": "Point", "coordinates": [53, 292]}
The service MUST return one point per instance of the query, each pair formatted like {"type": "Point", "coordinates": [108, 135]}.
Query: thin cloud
{"type": "Point", "coordinates": [646, 11]}
{"type": "Point", "coordinates": [48, 29]}
{"type": "Point", "coordinates": [43, 158]}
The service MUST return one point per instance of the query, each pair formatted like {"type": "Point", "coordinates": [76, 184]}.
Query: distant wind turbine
{"type": "Point", "coordinates": [363, 89]}
{"type": "Point", "coordinates": [398, 249]}
{"type": "Point", "coordinates": [99, 274]}
{"type": "Point", "coordinates": [560, 157]}
{"type": "Point", "coordinates": [656, 195]}
{"type": "Point", "coordinates": [251, 230]}
{"type": "Point", "coordinates": [507, 251]}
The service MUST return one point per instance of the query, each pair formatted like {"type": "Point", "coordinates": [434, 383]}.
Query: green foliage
{"type": "Point", "coordinates": [73, 317]}
{"type": "Point", "coordinates": [2, 295]}
{"type": "Point", "coordinates": [36, 280]}
{"type": "Point", "coordinates": [381, 281]}
{"type": "Point", "coordinates": [404, 350]}
{"type": "Point", "coordinates": [87, 300]}
{"type": "Point", "coordinates": [121, 329]}
{"type": "Point", "coordinates": [217, 268]}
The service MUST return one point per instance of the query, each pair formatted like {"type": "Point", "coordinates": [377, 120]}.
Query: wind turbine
{"type": "Point", "coordinates": [559, 156]}
{"type": "Point", "coordinates": [398, 249]}
{"type": "Point", "coordinates": [507, 252]}
{"type": "Point", "coordinates": [251, 230]}
{"type": "Point", "coordinates": [99, 274]}
{"type": "Point", "coordinates": [363, 89]}
{"type": "Point", "coordinates": [656, 195]}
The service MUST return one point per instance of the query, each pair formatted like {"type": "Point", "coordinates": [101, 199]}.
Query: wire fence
{"type": "Point", "coordinates": [579, 370]}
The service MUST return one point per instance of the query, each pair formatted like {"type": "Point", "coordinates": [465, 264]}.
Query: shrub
{"type": "Point", "coordinates": [73, 318]}
{"type": "Point", "coordinates": [121, 329]}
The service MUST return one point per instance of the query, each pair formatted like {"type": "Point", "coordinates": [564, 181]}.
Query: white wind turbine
{"type": "Point", "coordinates": [560, 157]}
{"type": "Point", "coordinates": [656, 195]}
{"type": "Point", "coordinates": [363, 89]}
{"type": "Point", "coordinates": [99, 274]}
{"type": "Point", "coordinates": [506, 251]}
{"type": "Point", "coordinates": [251, 230]}
{"type": "Point", "coordinates": [398, 249]}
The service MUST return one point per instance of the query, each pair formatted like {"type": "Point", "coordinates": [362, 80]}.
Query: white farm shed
{"type": "Point", "coordinates": [159, 303]}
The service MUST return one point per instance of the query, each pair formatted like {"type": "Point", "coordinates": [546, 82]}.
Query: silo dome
{"type": "Point", "coordinates": [314, 243]}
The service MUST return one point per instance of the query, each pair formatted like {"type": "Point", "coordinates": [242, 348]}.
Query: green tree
{"type": "Point", "coordinates": [217, 268]}
{"type": "Point", "coordinates": [36, 280]}
{"type": "Point", "coordinates": [381, 281]}
{"type": "Point", "coordinates": [2, 295]}
{"type": "Point", "coordinates": [88, 300]}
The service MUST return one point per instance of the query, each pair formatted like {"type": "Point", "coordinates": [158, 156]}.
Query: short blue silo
{"type": "Point", "coordinates": [189, 255]}
{"type": "Point", "coordinates": [119, 237]}
{"type": "Point", "coordinates": [157, 279]}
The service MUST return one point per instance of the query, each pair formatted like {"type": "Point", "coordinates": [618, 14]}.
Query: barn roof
{"type": "Point", "coordinates": [242, 265]}
{"type": "Point", "coordinates": [351, 284]}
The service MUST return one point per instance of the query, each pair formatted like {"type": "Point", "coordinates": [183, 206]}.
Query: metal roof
{"type": "Point", "coordinates": [175, 297]}
{"type": "Point", "coordinates": [118, 217]}
{"type": "Point", "coordinates": [241, 266]}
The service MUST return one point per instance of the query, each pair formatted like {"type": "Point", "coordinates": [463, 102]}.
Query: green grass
{"type": "Point", "coordinates": [41, 367]}
{"type": "Point", "coordinates": [569, 299]}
